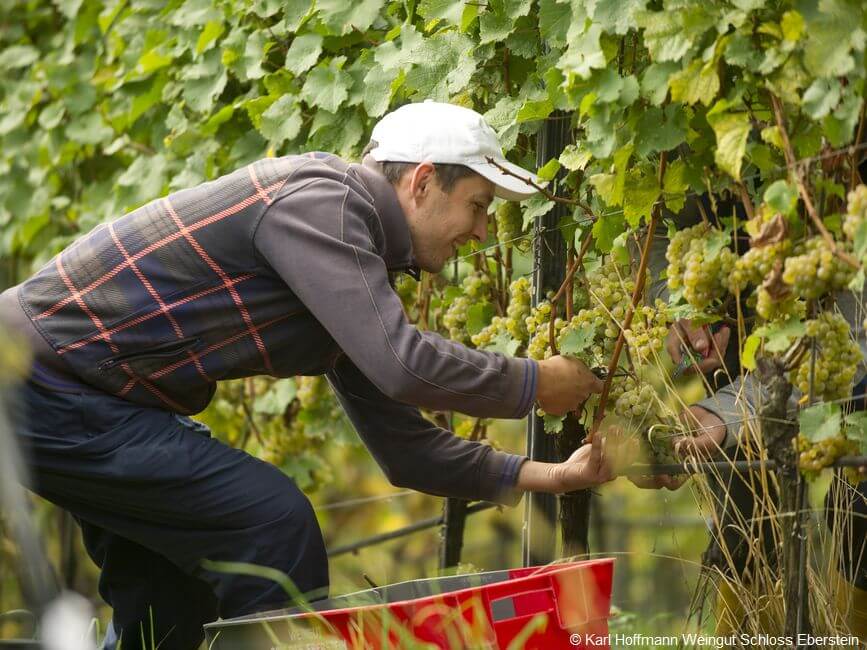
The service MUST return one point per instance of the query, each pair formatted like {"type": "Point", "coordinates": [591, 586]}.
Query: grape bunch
{"type": "Point", "coordinates": [476, 288]}
{"type": "Point", "coordinates": [754, 266]}
{"type": "Point", "coordinates": [518, 309]}
{"type": "Point", "coordinates": [611, 287]}
{"type": "Point", "coordinates": [513, 323]}
{"type": "Point", "coordinates": [509, 222]}
{"type": "Point", "coordinates": [637, 400]}
{"type": "Point", "coordinates": [837, 356]}
{"type": "Point", "coordinates": [784, 308]}
{"type": "Point", "coordinates": [815, 270]}
{"type": "Point", "coordinates": [813, 457]}
{"type": "Point", "coordinates": [538, 328]}
{"type": "Point", "coordinates": [646, 334]}
{"type": "Point", "coordinates": [455, 319]}
{"type": "Point", "coordinates": [856, 211]}
{"type": "Point", "coordinates": [698, 266]}
{"type": "Point", "coordinates": [406, 288]}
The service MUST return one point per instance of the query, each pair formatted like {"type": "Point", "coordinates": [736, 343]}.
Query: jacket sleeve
{"type": "Point", "coordinates": [416, 454]}
{"type": "Point", "coordinates": [325, 242]}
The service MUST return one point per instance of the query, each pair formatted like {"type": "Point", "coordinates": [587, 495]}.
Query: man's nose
{"type": "Point", "coordinates": [480, 228]}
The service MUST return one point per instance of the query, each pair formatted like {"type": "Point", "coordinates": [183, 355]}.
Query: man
{"type": "Point", "coordinates": [280, 268]}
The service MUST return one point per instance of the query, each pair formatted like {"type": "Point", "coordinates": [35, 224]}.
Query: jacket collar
{"type": "Point", "coordinates": [398, 243]}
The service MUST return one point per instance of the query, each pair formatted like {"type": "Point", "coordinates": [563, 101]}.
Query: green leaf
{"type": "Point", "coordinates": [781, 196]}
{"type": "Point", "coordinates": [655, 80]}
{"type": "Point", "coordinates": [210, 33]}
{"type": "Point", "coordinates": [779, 336]}
{"type": "Point", "coordinates": [554, 20]}
{"type": "Point", "coordinates": [820, 422]}
{"type": "Point", "coordinates": [153, 60]}
{"type": "Point", "coordinates": [51, 115]}
{"type": "Point", "coordinates": [342, 17]}
{"type": "Point", "coordinates": [327, 86]}
{"type": "Point", "coordinates": [821, 97]}
{"type": "Point", "coordinates": [18, 56]}
{"type": "Point", "coordinates": [194, 13]}
{"type": "Point", "coordinates": [536, 206]}
{"type": "Point", "coordinates": [549, 170]}
{"type": "Point", "coordinates": [660, 131]}
{"type": "Point", "coordinates": [303, 53]}
{"type": "Point", "coordinates": [606, 229]}
{"type": "Point", "coordinates": [576, 341]}
{"type": "Point", "coordinates": [584, 53]}
{"type": "Point", "coordinates": [504, 344]}
{"type": "Point", "coordinates": [751, 346]}
{"type": "Point", "coordinates": [534, 110]}
{"type": "Point", "coordinates": [664, 35]}
{"type": "Point", "coordinates": [732, 130]}
{"type": "Point", "coordinates": [553, 423]}
{"type": "Point", "coordinates": [856, 429]}
{"type": "Point", "coordinates": [639, 194]}
{"type": "Point", "coordinates": [441, 65]}
{"type": "Point", "coordinates": [840, 126]}
{"type": "Point", "coordinates": [833, 33]}
{"type": "Point", "coordinates": [204, 81]}
{"type": "Point", "coordinates": [479, 316]}
{"type": "Point", "coordinates": [449, 10]}
{"type": "Point", "coordinates": [89, 129]}
{"type": "Point", "coordinates": [575, 158]}
{"type": "Point", "coordinates": [675, 185]}
{"type": "Point", "coordinates": [699, 82]}
{"type": "Point", "coordinates": [297, 12]}
{"type": "Point", "coordinates": [281, 121]}
{"type": "Point", "coordinates": [792, 25]}
{"type": "Point", "coordinates": [617, 16]}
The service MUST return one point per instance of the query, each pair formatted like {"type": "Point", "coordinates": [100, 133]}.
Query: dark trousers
{"type": "Point", "coordinates": [155, 495]}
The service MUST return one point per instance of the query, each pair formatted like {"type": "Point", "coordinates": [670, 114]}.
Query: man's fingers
{"type": "Point", "coordinates": [698, 338]}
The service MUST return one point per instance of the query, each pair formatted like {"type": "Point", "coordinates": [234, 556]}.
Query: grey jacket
{"type": "Point", "coordinates": [281, 268]}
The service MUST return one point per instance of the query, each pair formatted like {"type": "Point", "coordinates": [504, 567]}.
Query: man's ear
{"type": "Point", "coordinates": [421, 178]}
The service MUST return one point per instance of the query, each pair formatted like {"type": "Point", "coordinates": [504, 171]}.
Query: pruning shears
{"type": "Point", "coordinates": [601, 372]}
{"type": "Point", "coordinates": [691, 357]}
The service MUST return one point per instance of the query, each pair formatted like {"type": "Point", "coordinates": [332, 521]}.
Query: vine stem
{"type": "Point", "coordinates": [547, 193]}
{"type": "Point", "coordinates": [570, 271]}
{"type": "Point", "coordinates": [853, 181]}
{"type": "Point", "coordinates": [792, 164]}
{"type": "Point", "coordinates": [637, 293]}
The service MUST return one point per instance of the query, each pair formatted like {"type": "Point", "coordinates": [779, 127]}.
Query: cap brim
{"type": "Point", "coordinates": [507, 186]}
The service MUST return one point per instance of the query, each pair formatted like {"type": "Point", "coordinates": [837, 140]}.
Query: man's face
{"type": "Point", "coordinates": [440, 222]}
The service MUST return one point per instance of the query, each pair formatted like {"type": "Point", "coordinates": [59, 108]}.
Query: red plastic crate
{"type": "Point", "coordinates": [556, 606]}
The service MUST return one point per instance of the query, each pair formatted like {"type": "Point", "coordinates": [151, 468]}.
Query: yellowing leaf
{"type": "Point", "coordinates": [697, 83]}
{"type": "Point", "coordinates": [732, 130]}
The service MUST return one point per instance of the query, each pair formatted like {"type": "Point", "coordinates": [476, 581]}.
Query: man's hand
{"type": "Point", "coordinates": [710, 348]}
{"type": "Point", "coordinates": [585, 468]}
{"type": "Point", "coordinates": [564, 383]}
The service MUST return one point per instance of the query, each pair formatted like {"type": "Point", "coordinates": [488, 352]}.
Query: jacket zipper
{"type": "Point", "coordinates": [164, 350]}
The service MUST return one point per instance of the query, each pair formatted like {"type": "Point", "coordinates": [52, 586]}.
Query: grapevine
{"type": "Point", "coordinates": [837, 358]}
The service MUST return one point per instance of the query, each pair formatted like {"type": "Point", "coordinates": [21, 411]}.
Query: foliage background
{"type": "Point", "coordinates": [107, 105]}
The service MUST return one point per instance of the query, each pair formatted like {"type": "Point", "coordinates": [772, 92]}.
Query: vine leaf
{"type": "Point", "coordinates": [576, 341]}
{"type": "Point", "coordinates": [856, 429]}
{"type": "Point", "coordinates": [731, 131]}
{"type": "Point", "coordinates": [553, 423]}
{"type": "Point", "coordinates": [303, 53]}
{"type": "Point", "coordinates": [504, 344]}
{"type": "Point", "coordinates": [820, 422]}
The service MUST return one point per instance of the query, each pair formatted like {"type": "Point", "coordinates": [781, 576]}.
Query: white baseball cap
{"type": "Point", "coordinates": [445, 133]}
